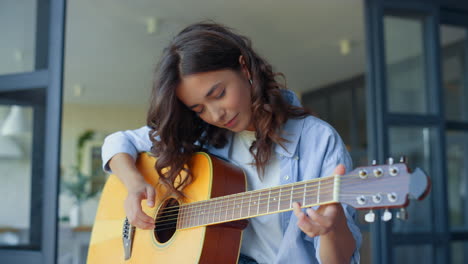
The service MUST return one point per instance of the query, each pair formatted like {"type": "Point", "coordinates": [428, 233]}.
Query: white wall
{"type": "Point", "coordinates": [15, 178]}
{"type": "Point", "coordinates": [102, 119]}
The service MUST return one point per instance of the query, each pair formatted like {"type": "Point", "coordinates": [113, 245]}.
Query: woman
{"type": "Point", "coordinates": [213, 92]}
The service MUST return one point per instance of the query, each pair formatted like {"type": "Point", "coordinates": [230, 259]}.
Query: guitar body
{"type": "Point", "coordinates": [209, 244]}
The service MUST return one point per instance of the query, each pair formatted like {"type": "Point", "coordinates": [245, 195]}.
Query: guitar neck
{"type": "Point", "coordinates": [259, 202]}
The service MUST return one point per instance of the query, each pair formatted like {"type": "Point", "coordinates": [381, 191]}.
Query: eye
{"type": "Point", "coordinates": [199, 112]}
{"type": "Point", "coordinates": [221, 94]}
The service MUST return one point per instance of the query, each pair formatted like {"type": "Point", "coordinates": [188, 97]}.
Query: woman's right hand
{"type": "Point", "coordinates": [132, 205]}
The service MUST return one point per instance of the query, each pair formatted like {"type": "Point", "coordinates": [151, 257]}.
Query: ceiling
{"type": "Point", "coordinates": [110, 56]}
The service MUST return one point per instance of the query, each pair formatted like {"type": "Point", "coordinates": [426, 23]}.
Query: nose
{"type": "Point", "coordinates": [217, 115]}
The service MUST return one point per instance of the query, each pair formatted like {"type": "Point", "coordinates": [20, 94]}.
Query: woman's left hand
{"type": "Point", "coordinates": [325, 219]}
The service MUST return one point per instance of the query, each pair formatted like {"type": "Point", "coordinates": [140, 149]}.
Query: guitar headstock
{"type": "Point", "coordinates": [383, 186]}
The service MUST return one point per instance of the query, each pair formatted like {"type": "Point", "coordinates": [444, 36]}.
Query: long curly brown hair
{"type": "Point", "coordinates": [177, 132]}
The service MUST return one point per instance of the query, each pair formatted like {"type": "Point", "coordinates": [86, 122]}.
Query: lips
{"type": "Point", "coordinates": [231, 122]}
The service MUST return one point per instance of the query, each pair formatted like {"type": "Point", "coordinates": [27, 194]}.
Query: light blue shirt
{"type": "Point", "coordinates": [313, 149]}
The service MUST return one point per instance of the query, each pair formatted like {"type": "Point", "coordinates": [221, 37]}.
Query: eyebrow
{"type": "Point", "coordinates": [213, 88]}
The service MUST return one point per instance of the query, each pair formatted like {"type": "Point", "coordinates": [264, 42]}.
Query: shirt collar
{"type": "Point", "coordinates": [292, 133]}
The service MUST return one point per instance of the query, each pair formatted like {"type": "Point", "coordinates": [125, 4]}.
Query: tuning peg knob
{"type": "Point", "coordinates": [402, 214]}
{"type": "Point", "coordinates": [374, 162]}
{"type": "Point", "coordinates": [386, 216]}
{"type": "Point", "coordinates": [390, 161]}
{"type": "Point", "coordinates": [370, 217]}
{"type": "Point", "coordinates": [403, 159]}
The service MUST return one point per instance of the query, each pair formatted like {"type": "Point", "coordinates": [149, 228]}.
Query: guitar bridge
{"type": "Point", "coordinates": [127, 238]}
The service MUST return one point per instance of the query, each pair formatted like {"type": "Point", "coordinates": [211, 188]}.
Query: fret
{"type": "Point", "coordinates": [217, 210]}
{"type": "Point", "coordinates": [291, 197]}
{"type": "Point", "coordinates": [304, 194]}
{"type": "Point", "coordinates": [237, 210]}
{"type": "Point", "coordinates": [284, 202]}
{"type": "Point", "coordinates": [318, 191]}
{"type": "Point", "coordinates": [227, 207]}
{"type": "Point", "coordinates": [268, 202]}
{"type": "Point", "coordinates": [263, 202]}
{"type": "Point", "coordinates": [215, 203]}
{"type": "Point", "coordinates": [202, 214]}
{"type": "Point", "coordinates": [197, 214]}
{"type": "Point", "coordinates": [221, 210]}
{"type": "Point", "coordinates": [250, 204]}
{"type": "Point", "coordinates": [312, 198]}
{"type": "Point", "coordinates": [206, 209]}
{"type": "Point", "coordinates": [186, 217]}
{"type": "Point", "coordinates": [272, 201]}
{"type": "Point", "coordinates": [187, 221]}
{"type": "Point", "coordinates": [233, 206]}
{"type": "Point", "coordinates": [258, 203]}
{"type": "Point", "coordinates": [279, 199]}
{"type": "Point", "coordinates": [245, 206]}
{"type": "Point", "coordinates": [299, 192]}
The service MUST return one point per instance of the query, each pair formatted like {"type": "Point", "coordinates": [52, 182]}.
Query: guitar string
{"type": "Point", "coordinates": [263, 192]}
{"type": "Point", "coordinates": [320, 180]}
{"type": "Point", "coordinates": [216, 210]}
{"type": "Point", "coordinates": [285, 193]}
{"type": "Point", "coordinates": [174, 223]}
{"type": "Point", "coordinates": [256, 193]}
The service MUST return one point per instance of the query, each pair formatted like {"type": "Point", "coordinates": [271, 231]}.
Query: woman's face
{"type": "Point", "coordinates": [221, 98]}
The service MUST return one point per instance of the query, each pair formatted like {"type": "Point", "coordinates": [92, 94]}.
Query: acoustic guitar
{"type": "Point", "coordinates": [206, 225]}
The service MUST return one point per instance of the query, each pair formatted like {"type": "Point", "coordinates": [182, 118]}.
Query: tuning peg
{"type": "Point", "coordinates": [386, 216]}
{"type": "Point", "coordinates": [374, 162]}
{"type": "Point", "coordinates": [370, 217]}
{"type": "Point", "coordinates": [402, 214]}
{"type": "Point", "coordinates": [403, 159]}
{"type": "Point", "coordinates": [390, 161]}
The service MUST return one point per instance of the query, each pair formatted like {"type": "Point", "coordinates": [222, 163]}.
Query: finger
{"type": "Point", "coordinates": [340, 169]}
{"type": "Point", "coordinates": [297, 210]}
{"type": "Point", "coordinates": [140, 214]}
{"type": "Point", "coordinates": [150, 195]}
{"type": "Point", "coordinates": [142, 225]}
{"type": "Point", "coordinates": [304, 222]}
{"type": "Point", "coordinates": [319, 219]}
{"type": "Point", "coordinates": [301, 216]}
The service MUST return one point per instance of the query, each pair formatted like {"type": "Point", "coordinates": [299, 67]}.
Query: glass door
{"type": "Point", "coordinates": [405, 116]}
{"type": "Point", "coordinates": [454, 58]}
{"type": "Point", "coordinates": [31, 66]}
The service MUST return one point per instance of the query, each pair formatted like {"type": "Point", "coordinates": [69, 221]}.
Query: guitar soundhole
{"type": "Point", "coordinates": [166, 220]}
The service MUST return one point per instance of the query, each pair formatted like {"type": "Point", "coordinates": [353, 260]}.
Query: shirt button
{"type": "Point", "coordinates": [286, 177]}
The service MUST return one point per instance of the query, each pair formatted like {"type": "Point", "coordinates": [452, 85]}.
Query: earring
{"type": "Point", "coordinates": [250, 81]}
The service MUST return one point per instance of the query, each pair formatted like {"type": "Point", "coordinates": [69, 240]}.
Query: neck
{"type": "Point", "coordinates": [259, 202]}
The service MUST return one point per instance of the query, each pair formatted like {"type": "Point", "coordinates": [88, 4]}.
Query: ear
{"type": "Point", "coordinates": [244, 69]}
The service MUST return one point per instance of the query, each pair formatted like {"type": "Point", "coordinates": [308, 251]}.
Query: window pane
{"type": "Point", "coordinates": [340, 114]}
{"type": "Point", "coordinates": [414, 143]}
{"type": "Point", "coordinates": [360, 154]}
{"type": "Point", "coordinates": [15, 176]}
{"type": "Point", "coordinates": [317, 105]}
{"type": "Point", "coordinates": [457, 158]}
{"type": "Point", "coordinates": [18, 31]}
{"type": "Point", "coordinates": [413, 254]}
{"type": "Point", "coordinates": [405, 66]}
{"type": "Point", "coordinates": [459, 255]}
{"type": "Point", "coordinates": [454, 72]}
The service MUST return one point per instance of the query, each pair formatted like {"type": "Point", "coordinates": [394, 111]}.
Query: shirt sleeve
{"type": "Point", "coordinates": [131, 142]}
{"type": "Point", "coordinates": [336, 155]}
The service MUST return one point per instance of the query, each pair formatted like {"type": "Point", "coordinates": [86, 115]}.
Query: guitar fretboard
{"type": "Point", "coordinates": [259, 202]}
